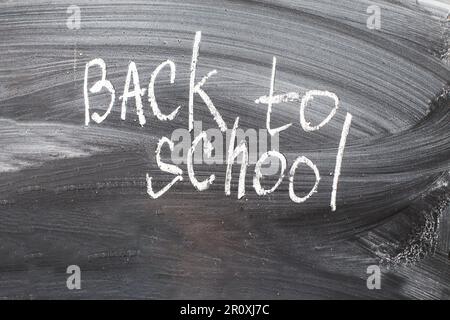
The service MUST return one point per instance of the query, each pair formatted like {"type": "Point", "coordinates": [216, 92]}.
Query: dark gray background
{"type": "Point", "coordinates": [71, 194]}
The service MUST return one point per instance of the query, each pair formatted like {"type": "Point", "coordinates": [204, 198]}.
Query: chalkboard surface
{"type": "Point", "coordinates": [98, 198]}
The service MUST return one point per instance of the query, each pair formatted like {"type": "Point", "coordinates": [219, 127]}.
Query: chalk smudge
{"type": "Point", "coordinates": [76, 195]}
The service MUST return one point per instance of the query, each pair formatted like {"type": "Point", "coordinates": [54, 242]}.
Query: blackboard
{"type": "Point", "coordinates": [74, 187]}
